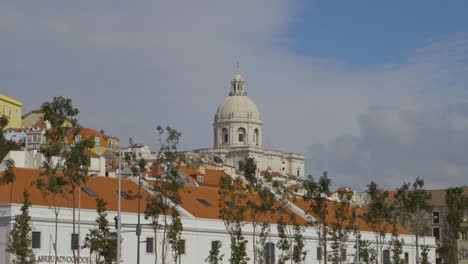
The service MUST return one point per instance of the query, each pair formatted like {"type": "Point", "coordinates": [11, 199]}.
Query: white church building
{"type": "Point", "coordinates": [238, 133]}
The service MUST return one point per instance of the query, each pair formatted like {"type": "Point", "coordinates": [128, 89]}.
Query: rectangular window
{"type": "Point", "coordinates": [97, 141]}
{"type": "Point", "coordinates": [149, 245]}
{"type": "Point", "coordinates": [182, 246]}
{"type": "Point", "coordinates": [241, 137]}
{"type": "Point", "coordinates": [386, 256]}
{"type": "Point", "coordinates": [436, 232]}
{"type": "Point", "coordinates": [435, 217]}
{"type": "Point", "coordinates": [215, 244]}
{"type": "Point", "coordinates": [75, 242]}
{"type": "Point", "coordinates": [343, 254]}
{"type": "Point", "coordinates": [297, 172]}
{"type": "Point", "coordinates": [10, 114]}
{"type": "Point", "coordinates": [16, 116]}
{"type": "Point", "coordinates": [406, 257]}
{"type": "Point", "coordinates": [464, 235]}
{"type": "Point", "coordinates": [319, 253]}
{"type": "Point", "coordinates": [36, 239]}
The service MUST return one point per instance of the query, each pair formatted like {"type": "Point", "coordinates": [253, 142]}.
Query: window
{"type": "Point", "coordinates": [269, 253]}
{"type": "Point", "coordinates": [125, 195]}
{"type": "Point", "coordinates": [386, 256]}
{"type": "Point", "coordinates": [75, 242]}
{"type": "Point", "coordinates": [225, 135]}
{"type": "Point", "coordinates": [149, 245]}
{"type": "Point", "coordinates": [319, 253]}
{"type": "Point", "coordinates": [241, 134]}
{"type": "Point", "coordinates": [78, 138]}
{"type": "Point", "coordinates": [435, 217]}
{"type": "Point", "coordinates": [89, 191]}
{"type": "Point", "coordinates": [97, 141]}
{"type": "Point", "coordinates": [200, 178]}
{"type": "Point", "coordinates": [10, 114]}
{"type": "Point", "coordinates": [343, 254]}
{"type": "Point", "coordinates": [204, 202]}
{"type": "Point", "coordinates": [4, 110]}
{"type": "Point", "coordinates": [436, 232]}
{"type": "Point", "coordinates": [16, 115]}
{"type": "Point", "coordinates": [36, 239]}
{"type": "Point", "coordinates": [182, 246]}
{"type": "Point", "coordinates": [406, 257]}
{"type": "Point", "coordinates": [464, 235]}
{"type": "Point", "coordinates": [215, 244]}
{"type": "Point", "coordinates": [297, 172]}
{"type": "Point", "coordinates": [256, 140]}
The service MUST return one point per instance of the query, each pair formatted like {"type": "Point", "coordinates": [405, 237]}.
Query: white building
{"type": "Point", "coordinates": [198, 207]}
{"type": "Point", "coordinates": [238, 133]}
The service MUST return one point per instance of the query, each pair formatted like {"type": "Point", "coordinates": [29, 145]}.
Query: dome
{"type": "Point", "coordinates": [238, 77]}
{"type": "Point", "coordinates": [238, 107]}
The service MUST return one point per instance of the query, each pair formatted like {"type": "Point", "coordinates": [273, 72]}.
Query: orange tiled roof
{"type": "Point", "coordinates": [189, 201]}
{"type": "Point", "coordinates": [272, 173]}
{"type": "Point", "coordinates": [210, 177]}
{"type": "Point", "coordinates": [331, 206]}
{"type": "Point", "coordinates": [106, 188]}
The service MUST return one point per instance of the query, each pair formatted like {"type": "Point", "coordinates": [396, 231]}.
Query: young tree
{"type": "Point", "coordinates": [396, 245]}
{"type": "Point", "coordinates": [232, 211]}
{"type": "Point", "coordinates": [457, 208]}
{"type": "Point", "coordinates": [5, 145]}
{"type": "Point", "coordinates": [214, 257]}
{"type": "Point", "coordinates": [19, 241]}
{"type": "Point", "coordinates": [284, 244]}
{"type": "Point", "coordinates": [174, 235]}
{"type": "Point", "coordinates": [166, 189]}
{"type": "Point", "coordinates": [412, 203]}
{"type": "Point", "coordinates": [316, 193]}
{"type": "Point", "coordinates": [341, 225]}
{"type": "Point", "coordinates": [424, 254]}
{"type": "Point", "coordinates": [250, 170]}
{"type": "Point", "coordinates": [61, 156]}
{"type": "Point", "coordinates": [367, 254]}
{"type": "Point", "coordinates": [376, 214]}
{"type": "Point", "coordinates": [99, 240]}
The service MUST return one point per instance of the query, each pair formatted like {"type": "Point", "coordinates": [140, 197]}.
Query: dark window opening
{"type": "Point", "coordinates": [319, 253]}
{"type": "Point", "coordinates": [125, 195]}
{"type": "Point", "coordinates": [269, 253]}
{"type": "Point", "coordinates": [436, 232]}
{"type": "Point", "coordinates": [36, 239]}
{"type": "Point", "coordinates": [75, 242]}
{"type": "Point", "coordinates": [89, 191]}
{"type": "Point", "coordinates": [204, 202]}
{"type": "Point", "coordinates": [386, 256]}
{"type": "Point", "coordinates": [149, 245]}
{"type": "Point", "coordinates": [435, 217]}
{"type": "Point", "coordinates": [182, 246]}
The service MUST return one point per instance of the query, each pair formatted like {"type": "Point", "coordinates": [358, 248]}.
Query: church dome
{"type": "Point", "coordinates": [238, 107]}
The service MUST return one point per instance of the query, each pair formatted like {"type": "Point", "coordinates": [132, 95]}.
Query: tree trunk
{"type": "Point", "coordinates": [75, 260]}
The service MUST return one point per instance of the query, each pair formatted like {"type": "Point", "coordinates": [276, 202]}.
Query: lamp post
{"type": "Point", "coordinates": [118, 206]}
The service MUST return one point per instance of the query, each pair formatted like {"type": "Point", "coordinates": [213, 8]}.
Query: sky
{"type": "Point", "coordinates": [367, 90]}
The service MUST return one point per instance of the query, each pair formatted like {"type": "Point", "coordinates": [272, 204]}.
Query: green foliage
{"type": "Point", "coordinates": [166, 190]}
{"type": "Point", "coordinates": [377, 212]}
{"type": "Point", "coordinates": [99, 240]}
{"type": "Point", "coordinates": [250, 169]}
{"type": "Point", "coordinates": [367, 254]}
{"type": "Point", "coordinates": [396, 245]}
{"type": "Point", "coordinates": [424, 255]}
{"type": "Point", "coordinates": [411, 201]}
{"type": "Point", "coordinates": [214, 257]}
{"type": "Point", "coordinates": [299, 254]}
{"type": "Point", "coordinates": [19, 241]}
{"type": "Point", "coordinates": [284, 245]}
{"type": "Point", "coordinates": [342, 224]}
{"type": "Point", "coordinates": [232, 210]}
{"type": "Point", "coordinates": [316, 193]}
{"type": "Point", "coordinates": [457, 208]}
{"type": "Point", "coordinates": [174, 235]}
{"type": "Point", "coordinates": [5, 145]}
{"type": "Point", "coordinates": [8, 175]}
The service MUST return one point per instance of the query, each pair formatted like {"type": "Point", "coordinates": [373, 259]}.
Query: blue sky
{"type": "Point", "coordinates": [371, 32]}
{"type": "Point", "coordinates": [368, 90]}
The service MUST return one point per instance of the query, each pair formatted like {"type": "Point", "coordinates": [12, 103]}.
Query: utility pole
{"type": "Point", "coordinates": [118, 206]}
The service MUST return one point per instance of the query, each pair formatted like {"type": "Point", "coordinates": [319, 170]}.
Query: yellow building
{"type": "Point", "coordinates": [11, 108]}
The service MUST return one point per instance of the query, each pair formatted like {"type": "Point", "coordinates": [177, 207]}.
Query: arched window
{"type": "Point", "coordinates": [225, 135]}
{"type": "Point", "coordinates": [241, 134]}
{"type": "Point", "coordinates": [256, 140]}
{"type": "Point", "coordinates": [241, 165]}
{"type": "Point", "coordinates": [270, 253]}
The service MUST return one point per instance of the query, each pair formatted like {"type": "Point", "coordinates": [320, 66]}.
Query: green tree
{"type": "Point", "coordinates": [250, 170]}
{"type": "Point", "coordinates": [66, 165]}
{"type": "Point", "coordinates": [99, 240]}
{"type": "Point", "coordinates": [174, 235]}
{"type": "Point", "coordinates": [19, 240]}
{"type": "Point", "coordinates": [376, 214]}
{"type": "Point", "coordinates": [367, 254]}
{"type": "Point", "coordinates": [166, 189]}
{"type": "Point", "coordinates": [396, 245]}
{"type": "Point", "coordinates": [457, 209]}
{"type": "Point", "coordinates": [412, 203]}
{"type": "Point", "coordinates": [316, 193]}
{"type": "Point", "coordinates": [341, 225]}
{"type": "Point", "coordinates": [232, 212]}
{"type": "Point", "coordinates": [284, 243]}
{"type": "Point", "coordinates": [424, 254]}
{"type": "Point", "coordinates": [214, 257]}
{"type": "Point", "coordinates": [5, 145]}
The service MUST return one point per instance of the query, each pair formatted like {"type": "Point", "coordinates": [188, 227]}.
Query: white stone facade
{"type": "Point", "coordinates": [238, 133]}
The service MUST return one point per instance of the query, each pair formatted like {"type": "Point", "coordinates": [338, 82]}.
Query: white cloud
{"type": "Point", "coordinates": [132, 65]}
